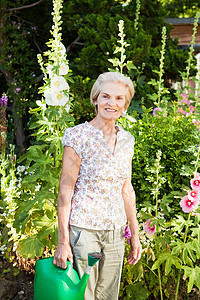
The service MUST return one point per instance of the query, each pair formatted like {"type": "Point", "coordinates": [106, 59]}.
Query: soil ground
{"type": "Point", "coordinates": [24, 279]}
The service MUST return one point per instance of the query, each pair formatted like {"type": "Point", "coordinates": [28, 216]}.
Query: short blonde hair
{"type": "Point", "coordinates": [112, 77]}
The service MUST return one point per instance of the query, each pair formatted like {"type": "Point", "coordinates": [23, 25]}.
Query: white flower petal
{"type": "Point", "coordinates": [62, 49]}
{"type": "Point", "coordinates": [64, 69]}
{"type": "Point", "coordinates": [48, 99]}
{"type": "Point", "coordinates": [59, 99]}
{"type": "Point", "coordinates": [58, 83]}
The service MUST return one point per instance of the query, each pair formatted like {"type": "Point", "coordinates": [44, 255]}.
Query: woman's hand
{"type": "Point", "coordinates": [63, 252]}
{"type": "Point", "coordinates": [136, 250]}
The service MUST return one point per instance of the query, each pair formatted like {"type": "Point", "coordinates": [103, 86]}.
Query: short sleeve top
{"type": "Point", "coordinates": [97, 202]}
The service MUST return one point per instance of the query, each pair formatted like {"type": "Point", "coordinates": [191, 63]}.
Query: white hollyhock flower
{"type": "Point", "coordinates": [55, 98]}
{"type": "Point", "coordinates": [58, 83]}
{"type": "Point", "coordinates": [62, 49]}
{"type": "Point", "coordinates": [59, 99]}
{"type": "Point", "coordinates": [63, 70]}
{"type": "Point", "coordinates": [47, 95]}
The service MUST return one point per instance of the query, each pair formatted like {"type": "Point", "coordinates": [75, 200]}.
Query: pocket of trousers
{"type": "Point", "coordinates": [120, 242]}
{"type": "Point", "coordinates": [75, 235]}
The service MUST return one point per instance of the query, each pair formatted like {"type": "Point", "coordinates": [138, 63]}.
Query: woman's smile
{"type": "Point", "coordinates": [111, 100]}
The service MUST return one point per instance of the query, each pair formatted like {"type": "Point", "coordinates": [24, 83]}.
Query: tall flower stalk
{"type": "Point", "coordinates": [191, 51]}
{"type": "Point", "coordinates": [9, 192]}
{"type": "Point", "coordinates": [157, 181]}
{"type": "Point", "coordinates": [137, 15]}
{"type": "Point", "coordinates": [160, 89]}
{"type": "Point", "coordinates": [179, 272]}
{"type": "Point", "coordinates": [161, 72]}
{"type": "Point", "coordinates": [119, 64]}
{"type": "Point", "coordinates": [44, 159]}
{"type": "Point", "coordinates": [56, 70]}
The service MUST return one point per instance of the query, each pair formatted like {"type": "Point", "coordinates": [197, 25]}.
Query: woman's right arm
{"type": "Point", "coordinates": [70, 169]}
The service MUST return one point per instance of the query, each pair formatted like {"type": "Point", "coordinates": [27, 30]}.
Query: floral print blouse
{"type": "Point", "coordinates": [97, 202]}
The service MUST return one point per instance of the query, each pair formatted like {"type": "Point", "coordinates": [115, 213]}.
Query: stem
{"type": "Point", "coordinates": [161, 72]}
{"type": "Point", "coordinates": [179, 273]}
{"type": "Point", "coordinates": [137, 15]}
{"type": "Point", "coordinates": [56, 153]}
{"type": "Point", "coordinates": [156, 215]}
{"type": "Point", "coordinates": [160, 284]}
{"type": "Point", "coordinates": [189, 61]}
{"type": "Point", "coordinates": [197, 161]}
{"type": "Point", "coordinates": [177, 286]}
{"type": "Point", "coordinates": [150, 269]}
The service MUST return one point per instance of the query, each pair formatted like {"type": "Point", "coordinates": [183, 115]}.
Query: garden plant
{"type": "Point", "coordinates": [165, 172]}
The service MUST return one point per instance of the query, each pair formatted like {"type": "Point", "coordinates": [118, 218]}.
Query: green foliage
{"type": "Point", "coordinates": [36, 213]}
{"type": "Point", "coordinates": [181, 8]}
{"type": "Point", "coordinates": [166, 156]}
{"type": "Point", "coordinates": [10, 191]}
{"type": "Point", "coordinates": [18, 66]}
{"type": "Point", "coordinates": [90, 35]}
{"type": "Point", "coordinates": [166, 149]}
{"type": "Point", "coordinates": [98, 32]}
{"type": "Point", "coordinates": [177, 138]}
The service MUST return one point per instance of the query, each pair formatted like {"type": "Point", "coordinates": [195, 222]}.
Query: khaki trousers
{"type": "Point", "coordinates": [105, 275]}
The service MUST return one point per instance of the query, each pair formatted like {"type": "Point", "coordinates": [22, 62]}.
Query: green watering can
{"type": "Point", "coordinates": [54, 283]}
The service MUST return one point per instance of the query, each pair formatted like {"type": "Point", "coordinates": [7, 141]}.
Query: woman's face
{"type": "Point", "coordinates": [111, 100]}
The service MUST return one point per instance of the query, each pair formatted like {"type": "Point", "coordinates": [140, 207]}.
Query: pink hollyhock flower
{"type": "Point", "coordinates": [156, 109]}
{"type": "Point", "coordinates": [185, 99]}
{"type": "Point", "coordinates": [192, 109]}
{"type": "Point", "coordinates": [180, 109]}
{"type": "Point", "coordinates": [150, 229]}
{"type": "Point", "coordinates": [194, 195]}
{"type": "Point", "coordinates": [127, 234]}
{"type": "Point", "coordinates": [188, 205]}
{"type": "Point", "coordinates": [195, 182]}
{"type": "Point", "coordinates": [195, 122]}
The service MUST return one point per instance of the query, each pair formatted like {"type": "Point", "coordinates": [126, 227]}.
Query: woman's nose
{"type": "Point", "coordinates": [111, 101]}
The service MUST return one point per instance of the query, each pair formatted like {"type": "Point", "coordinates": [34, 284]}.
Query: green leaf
{"type": "Point", "coordinates": [179, 223]}
{"type": "Point", "coordinates": [162, 257]}
{"type": "Point", "coordinates": [137, 291]}
{"type": "Point", "coordinates": [185, 253]}
{"type": "Point", "coordinates": [21, 220]}
{"type": "Point", "coordinates": [194, 277]}
{"type": "Point", "coordinates": [168, 266]}
{"type": "Point", "coordinates": [48, 224]}
{"type": "Point", "coordinates": [30, 247]}
{"type": "Point", "coordinates": [178, 248]}
{"type": "Point", "coordinates": [196, 245]}
{"type": "Point", "coordinates": [170, 260]}
{"type": "Point", "coordinates": [191, 248]}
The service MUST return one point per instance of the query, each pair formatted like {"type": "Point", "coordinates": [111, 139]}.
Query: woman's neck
{"type": "Point", "coordinates": [107, 126]}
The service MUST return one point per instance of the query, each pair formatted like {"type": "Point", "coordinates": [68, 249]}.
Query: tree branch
{"type": "Point", "coordinates": [72, 45]}
{"type": "Point", "coordinates": [25, 6]}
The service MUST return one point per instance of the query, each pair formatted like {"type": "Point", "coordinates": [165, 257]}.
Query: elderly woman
{"type": "Point", "coordinates": [96, 197]}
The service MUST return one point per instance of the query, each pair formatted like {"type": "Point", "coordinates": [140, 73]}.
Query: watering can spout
{"type": "Point", "coordinates": [93, 258]}
{"type": "Point", "coordinates": [52, 283]}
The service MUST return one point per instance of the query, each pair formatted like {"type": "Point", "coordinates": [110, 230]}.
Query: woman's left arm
{"type": "Point", "coordinates": [128, 194]}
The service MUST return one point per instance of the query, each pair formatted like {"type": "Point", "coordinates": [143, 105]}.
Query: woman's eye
{"type": "Point", "coordinates": [119, 98]}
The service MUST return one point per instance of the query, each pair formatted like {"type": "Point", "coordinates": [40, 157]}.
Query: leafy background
{"type": "Point", "coordinates": [32, 161]}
